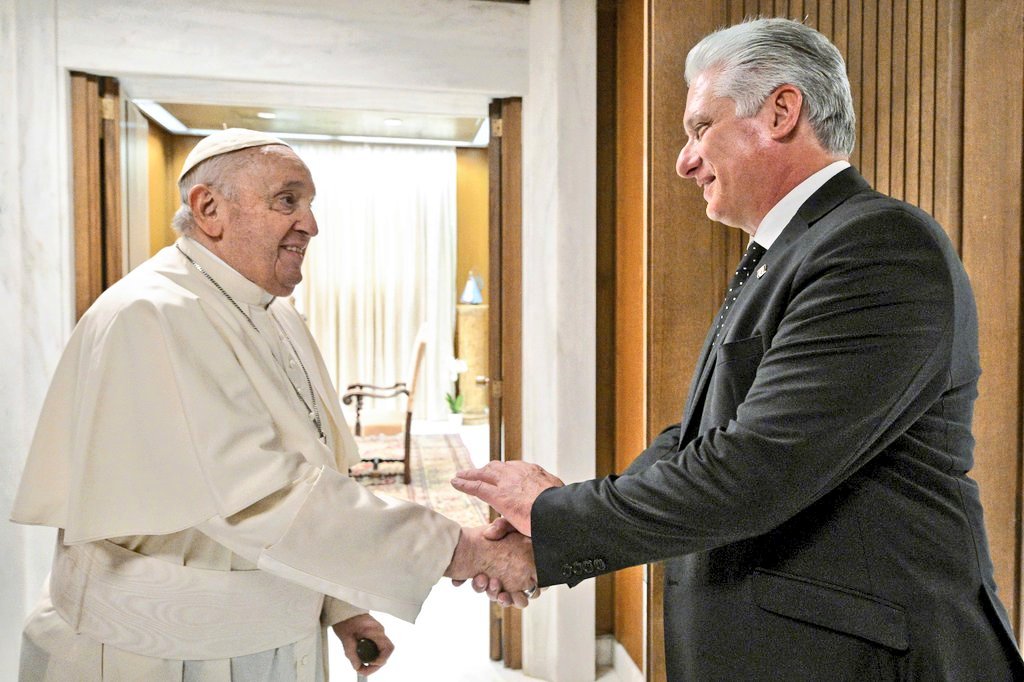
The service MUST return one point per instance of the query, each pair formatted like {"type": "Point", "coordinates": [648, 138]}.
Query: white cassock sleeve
{"type": "Point", "coordinates": [309, 533]}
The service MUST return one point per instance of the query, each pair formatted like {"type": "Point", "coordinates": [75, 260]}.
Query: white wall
{"type": "Point", "coordinates": [35, 285]}
{"type": "Point", "coordinates": [415, 55]}
{"type": "Point", "coordinates": [559, 298]}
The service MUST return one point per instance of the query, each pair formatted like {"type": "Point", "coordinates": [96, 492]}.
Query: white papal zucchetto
{"type": "Point", "coordinates": [224, 141]}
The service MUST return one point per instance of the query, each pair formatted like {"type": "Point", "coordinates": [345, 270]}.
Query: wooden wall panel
{"type": "Point", "coordinates": [630, 274]}
{"type": "Point", "coordinates": [883, 60]}
{"type": "Point", "coordinates": [992, 221]}
{"type": "Point", "coordinates": [683, 292]}
{"type": "Point", "coordinates": [899, 97]}
{"type": "Point", "coordinates": [926, 185]}
{"type": "Point", "coordinates": [912, 65]}
{"type": "Point", "coordinates": [912, 134]}
{"type": "Point", "coordinates": [949, 124]}
{"type": "Point", "coordinates": [855, 22]}
{"type": "Point", "coordinates": [867, 128]}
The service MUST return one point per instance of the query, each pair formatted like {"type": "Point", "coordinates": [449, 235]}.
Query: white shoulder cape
{"type": "Point", "coordinates": [164, 411]}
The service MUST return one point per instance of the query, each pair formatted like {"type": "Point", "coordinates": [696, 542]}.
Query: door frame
{"type": "Point", "coordinates": [505, 333]}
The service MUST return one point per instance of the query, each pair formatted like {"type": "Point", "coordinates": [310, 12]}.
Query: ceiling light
{"type": "Point", "coordinates": [266, 114]}
{"type": "Point", "coordinates": [392, 122]}
{"type": "Point", "coordinates": [161, 116]}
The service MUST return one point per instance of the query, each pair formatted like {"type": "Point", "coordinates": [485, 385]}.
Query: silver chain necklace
{"type": "Point", "coordinates": [314, 412]}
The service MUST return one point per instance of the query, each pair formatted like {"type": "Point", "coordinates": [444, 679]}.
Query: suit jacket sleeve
{"type": "Point", "coordinates": [860, 350]}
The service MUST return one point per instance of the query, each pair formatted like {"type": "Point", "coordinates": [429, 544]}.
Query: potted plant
{"type": "Point", "coordinates": [454, 399]}
{"type": "Point", "coordinates": [454, 408]}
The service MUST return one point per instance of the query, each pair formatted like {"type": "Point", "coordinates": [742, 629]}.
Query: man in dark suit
{"type": "Point", "coordinates": [813, 506]}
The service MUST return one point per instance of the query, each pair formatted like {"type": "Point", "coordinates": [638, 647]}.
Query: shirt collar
{"type": "Point", "coordinates": [235, 283]}
{"type": "Point", "coordinates": [776, 219]}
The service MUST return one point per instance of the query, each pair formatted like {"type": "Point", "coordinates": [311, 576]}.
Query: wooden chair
{"type": "Point", "coordinates": [403, 424]}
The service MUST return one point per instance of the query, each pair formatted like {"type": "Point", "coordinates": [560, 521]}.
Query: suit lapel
{"type": "Point", "coordinates": [700, 377]}
{"type": "Point", "coordinates": [833, 193]}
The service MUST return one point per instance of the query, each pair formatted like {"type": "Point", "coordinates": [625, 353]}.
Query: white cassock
{"type": "Point", "coordinates": [206, 532]}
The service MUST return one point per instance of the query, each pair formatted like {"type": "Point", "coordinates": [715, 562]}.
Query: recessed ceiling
{"type": "Point", "coordinates": [334, 123]}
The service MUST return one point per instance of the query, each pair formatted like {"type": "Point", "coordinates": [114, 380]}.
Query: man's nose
{"type": "Point", "coordinates": [308, 224]}
{"type": "Point", "coordinates": [688, 161]}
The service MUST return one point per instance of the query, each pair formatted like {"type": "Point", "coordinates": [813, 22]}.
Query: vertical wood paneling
{"type": "Point", "coordinates": [804, 11]}
{"type": "Point", "coordinates": [736, 11]}
{"type": "Point", "coordinates": [85, 137]}
{"type": "Point", "coordinates": [898, 99]}
{"type": "Point", "coordinates": [926, 185]}
{"type": "Point", "coordinates": [883, 97]}
{"type": "Point", "coordinates": [682, 289]}
{"type": "Point", "coordinates": [826, 9]}
{"type": "Point", "coordinates": [912, 138]}
{"type": "Point", "coordinates": [991, 250]}
{"type": "Point", "coordinates": [113, 215]}
{"type": "Point", "coordinates": [949, 92]}
{"type": "Point", "coordinates": [855, 71]}
{"type": "Point", "coordinates": [630, 292]}
{"type": "Point", "coordinates": [915, 140]}
{"type": "Point", "coordinates": [96, 178]}
{"type": "Point", "coordinates": [867, 130]}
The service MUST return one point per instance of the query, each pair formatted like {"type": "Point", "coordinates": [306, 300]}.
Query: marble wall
{"type": "Point", "coordinates": [35, 286]}
{"type": "Point", "coordinates": [414, 55]}
{"type": "Point", "coordinates": [559, 298]}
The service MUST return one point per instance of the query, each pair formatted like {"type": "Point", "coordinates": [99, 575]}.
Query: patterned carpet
{"type": "Point", "coordinates": [435, 459]}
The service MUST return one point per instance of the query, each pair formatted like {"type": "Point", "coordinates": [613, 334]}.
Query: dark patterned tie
{"type": "Point", "coordinates": [747, 264]}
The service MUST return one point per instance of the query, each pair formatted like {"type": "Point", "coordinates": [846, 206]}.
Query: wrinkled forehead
{"type": "Point", "coordinates": [700, 98]}
{"type": "Point", "coordinates": [273, 167]}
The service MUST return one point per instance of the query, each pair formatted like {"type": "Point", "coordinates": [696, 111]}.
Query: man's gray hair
{"type": "Point", "coordinates": [753, 58]}
{"type": "Point", "coordinates": [217, 172]}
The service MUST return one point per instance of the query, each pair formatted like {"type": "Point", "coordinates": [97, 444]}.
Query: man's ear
{"type": "Point", "coordinates": [207, 210]}
{"type": "Point", "coordinates": [784, 105]}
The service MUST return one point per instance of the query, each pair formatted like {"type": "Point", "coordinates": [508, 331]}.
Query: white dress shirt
{"type": "Point", "coordinates": [779, 216]}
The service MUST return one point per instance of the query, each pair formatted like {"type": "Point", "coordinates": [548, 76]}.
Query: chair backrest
{"type": "Point", "coordinates": [412, 375]}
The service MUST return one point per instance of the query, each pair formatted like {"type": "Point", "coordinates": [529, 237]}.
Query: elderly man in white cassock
{"type": "Point", "coordinates": [193, 455]}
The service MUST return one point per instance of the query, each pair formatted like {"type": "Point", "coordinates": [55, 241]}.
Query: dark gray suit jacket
{"type": "Point", "coordinates": [813, 506]}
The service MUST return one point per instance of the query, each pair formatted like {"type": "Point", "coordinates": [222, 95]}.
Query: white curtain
{"type": "Point", "coordinates": [383, 264]}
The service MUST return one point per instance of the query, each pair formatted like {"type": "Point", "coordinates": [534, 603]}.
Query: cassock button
{"type": "Point", "coordinates": [599, 564]}
{"type": "Point", "coordinates": [566, 571]}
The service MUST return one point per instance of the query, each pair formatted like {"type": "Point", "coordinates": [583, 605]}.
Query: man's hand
{"type": "Point", "coordinates": [503, 566]}
{"type": "Point", "coordinates": [510, 487]}
{"type": "Point", "coordinates": [364, 625]}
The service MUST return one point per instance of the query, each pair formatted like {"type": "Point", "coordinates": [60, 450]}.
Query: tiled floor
{"type": "Point", "coordinates": [449, 641]}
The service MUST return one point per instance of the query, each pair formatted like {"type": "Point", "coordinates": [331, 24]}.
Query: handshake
{"type": "Point", "coordinates": [499, 557]}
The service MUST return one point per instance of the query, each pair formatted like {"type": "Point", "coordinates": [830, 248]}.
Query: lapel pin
{"type": "Point", "coordinates": [761, 270]}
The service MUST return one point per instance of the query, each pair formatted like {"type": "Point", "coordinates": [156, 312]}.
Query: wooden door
{"type": "Point", "coordinates": [96, 183]}
{"type": "Point", "coordinates": [505, 243]}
